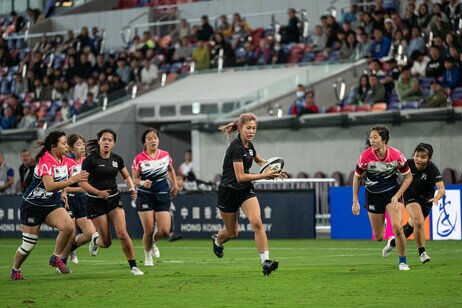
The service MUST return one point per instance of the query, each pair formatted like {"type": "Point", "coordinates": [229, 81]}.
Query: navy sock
{"type": "Point", "coordinates": [132, 263]}
{"type": "Point", "coordinates": [421, 250]}
{"type": "Point", "coordinates": [74, 246]}
{"type": "Point", "coordinates": [402, 259]}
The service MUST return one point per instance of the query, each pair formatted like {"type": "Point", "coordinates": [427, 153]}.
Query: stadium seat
{"type": "Point", "coordinates": [303, 175]}
{"type": "Point", "coordinates": [319, 175]}
{"type": "Point", "coordinates": [351, 176]}
{"type": "Point", "coordinates": [411, 105]}
{"type": "Point", "coordinates": [377, 107]}
{"type": "Point", "coordinates": [339, 178]}
{"type": "Point", "coordinates": [364, 107]}
{"type": "Point", "coordinates": [394, 106]}
{"type": "Point", "coordinates": [349, 108]}
{"type": "Point", "coordinates": [449, 176]}
{"type": "Point", "coordinates": [333, 109]}
{"type": "Point", "coordinates": [457, 103]}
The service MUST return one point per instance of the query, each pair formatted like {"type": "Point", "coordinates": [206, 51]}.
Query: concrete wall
{"type": "Point", "coordinates": [331, 149]}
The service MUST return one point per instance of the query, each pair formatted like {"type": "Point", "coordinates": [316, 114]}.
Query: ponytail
{"type": "Point", "coordinates": [237, 124]}
{"type": "Point", "coordinates": [50, 142]}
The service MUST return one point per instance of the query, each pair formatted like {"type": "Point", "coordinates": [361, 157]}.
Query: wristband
{"type": "Point", "coordinates": [142, 183]}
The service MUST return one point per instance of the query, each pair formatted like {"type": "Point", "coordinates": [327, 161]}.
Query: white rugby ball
{"type": "Point", "coordinates": [274, 163]}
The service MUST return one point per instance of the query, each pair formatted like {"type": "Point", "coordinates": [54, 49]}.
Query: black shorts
{"type": "Point", "coordinates": [421, 200]}
{"type": "Point", "coordinates": [77, 207]}
{"type": "Point", "coordinates": [377, 202]}
{"type": "Point", "coordinates": [97, 206]}
{"type": "Point", "coordinates": [152, 202]}
{"type": "Point", "coordinates": [229, 200]}
{"type": "Point", "coordinates": [34, 215]}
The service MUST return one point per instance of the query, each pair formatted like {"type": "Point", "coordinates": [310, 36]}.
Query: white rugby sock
{"type": "Point", "coordinates": [264, 256]}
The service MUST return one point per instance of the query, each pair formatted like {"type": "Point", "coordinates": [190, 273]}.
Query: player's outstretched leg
{"type": "Point", "coordinates": [389, 247]}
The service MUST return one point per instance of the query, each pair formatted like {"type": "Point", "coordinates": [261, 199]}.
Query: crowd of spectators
{"type": "Point", "coordinates": [414, 58]}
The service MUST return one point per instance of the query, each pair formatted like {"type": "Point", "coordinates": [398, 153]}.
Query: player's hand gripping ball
{"type": "Point", "coordinates": [273, 163]}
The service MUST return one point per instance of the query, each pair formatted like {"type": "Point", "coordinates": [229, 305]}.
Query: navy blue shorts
{"type": "Point", "coordinates": [98, 207]}
{"type": "Point", "coordinates": [377, 202]}
{"type": "Point", "coordinates": [230, 200]}
{"type": "Point", "coordinates": [421, 200]}
{"type": "Point", "coordinates": [34, 215]}
{"type": "Point", "coordinates": [77, 207]}
{"type": "Point", "coordinates": [152, 202]}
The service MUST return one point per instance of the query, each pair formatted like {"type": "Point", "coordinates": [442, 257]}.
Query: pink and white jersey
{"type": "Point", "coordinates": [154, 169]}
{"type": "Point", "coordinates": [381, 174]}
{"type": "Point", "coordinates": [36, 193]}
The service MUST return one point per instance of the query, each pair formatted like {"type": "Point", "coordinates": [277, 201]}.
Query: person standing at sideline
{"type": "Point", "coordinates": [237, 191]}
{"type": "Point", "coordinates": [26, 170]}
{"type": "Point", "coordinates": [150, 170]}
{"type": "Point", "coordinates": [43, 203]}
{"type": "Point", "coordinates": [104, 204]}
{"type": "Point", "coordinates": [6, 177]}
{"type": "Point", "coordinates": [380, 164]}
{"type": "Point", "coordinates": [419, 198]}
{"type": "Point", "coordinates": [76, 199]}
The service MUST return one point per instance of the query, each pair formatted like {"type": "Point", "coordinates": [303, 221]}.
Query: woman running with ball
{"type": "Point", "coordinates": [236, 188]}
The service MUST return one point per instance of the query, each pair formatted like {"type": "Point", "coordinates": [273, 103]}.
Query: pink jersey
{"type": "Point", "coordinates": [154, 169]}
{"type": "Point", "coordinates": [74, 167]}
{"type": "Point", "coordinates": [36, 192]}
{"type": "Point", "coordinates": [381, 174]}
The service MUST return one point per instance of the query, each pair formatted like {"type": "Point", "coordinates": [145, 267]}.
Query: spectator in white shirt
{"type": "Point", "coordinates": [80, 89]}
{"type": "Point", "coordinates": [148, 73]}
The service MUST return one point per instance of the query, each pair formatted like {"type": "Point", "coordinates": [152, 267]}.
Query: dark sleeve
{"type": "Point", "coordinates": [253, 150]}
{"type": "Point", "coordinates": [435, 174]}
{"type": "Point", "coordinates": [120, 162]}
{"type": "Point", "coordinates": [87, 164]}
{"type": "Point", "coordinates": [237, 153]}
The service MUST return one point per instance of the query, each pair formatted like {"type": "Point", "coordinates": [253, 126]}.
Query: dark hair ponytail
{"type": "Point", "coordinates": [50, 141]}
{"type": "Point", "coordinates": [93, 145]}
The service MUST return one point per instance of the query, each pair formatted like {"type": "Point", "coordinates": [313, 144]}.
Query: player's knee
{"type": "Point", "coordinates": [257, 225]}
{"type": "Point", "coordinates": [163, 231]}
{"type": "Point", "coordinates": [28, 243]}
{"type": "Point", "coordinates": [378, 237]}
{"type": "Point", "coordinates": [104, 242]}
{"type": "Point", "coordinates": [68, 228]}
{"type": "Point", "coordinates": [148, 233]}
{"type": "Point", "coordinates": [123, 236]}
{"type": "Point", "coordinates": [397, 230]}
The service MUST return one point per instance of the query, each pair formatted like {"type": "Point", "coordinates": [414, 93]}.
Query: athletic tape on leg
{"type": "Point", "coordinates": [28, 243]}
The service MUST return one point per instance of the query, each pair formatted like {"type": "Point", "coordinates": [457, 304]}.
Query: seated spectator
{"type": "Point", "coordinates": [419, 67]}
{"type": "Point", "coordinates": [123, 70]}
{"type": "Point", "coordinates": [224, 27]}
{"type": "Point", "coordinates": [399, 45]}
{"type": "Point", "coordinates": [218, 43]}
{"type": "Point", "coordinates": [375, 67]}
{"type": "Point", "coordinates": [39, 93]}
{"type": "Point", "coordinates": [80, 89]}
{"type": "Point", "coordinates": [89, 103]}
{"type": "Point", "coordinates": [18, 85]}
{"type": "Point", "coordinates": [148, 73]}
{"type": "Point", "coordinates": [93, 86]}
{"type": "Point", "coordinates": [16, 107]}
{"type": "Point", "coordinates": [363, 46]}
{"type": "Point", "coordinates": [47, 89]}
{"type": "Point", "coordinates": [435, 67]}
{"type": "Point", "coordinates": [310, 105]}
{"type": "Point", "coordinates": [438, 97]}
{"type": "Point", "coordinates": [201, 56]}
{"type": "Point", "coordinates": [391, 76]}
{"type": "Point", "coordinates": [407, 87]}
{"type": "Point", "coordinates": [380, 46]}
{"type": "Point", "coordinates": [263, 54]}
{"type": "Point", "coordinates": [57, 90]}
{"type": "Point", "coordinates": [438, 27]}
{"type": "Point", "coordinates": [205, 30]}
{"type": "Point", "coordinates": [8, 120]}
{"type": "Point", "coordinates": [376, 92]}
{"type": "Point", "coordinates": [451, 74]}
{"type": "Point", "coordinates": [28, 121]}
{"type": "Point", "coordinates": [347, 49]}
{"type": "Point", "coordinates": [358, 93]}
{"type": "Point", "coordinates": [298, 105]}
{"type": "Point", "coordinates": [67, 111]}
{"type": "Point", "coordinates": [6, 177]}
{"type": "Point", "coordinates": [417, 42]}
{"type": "Point", "coordinates": [424, 17]}
{"type": "Point", "coordinates": [350, 16]}
{"type": "Point", "coordinates": [318, 39]}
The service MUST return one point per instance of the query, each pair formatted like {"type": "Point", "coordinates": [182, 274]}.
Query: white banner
{"type": "Point", "coordinates": [446, 217]}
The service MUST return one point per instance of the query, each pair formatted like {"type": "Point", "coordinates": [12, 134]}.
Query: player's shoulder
{"type": "Point", "coordinates": [367, 154]}
{"type": "Point", "coordinates": [163, 153]}
{"type": "Point", "coordinates": [394, 152]}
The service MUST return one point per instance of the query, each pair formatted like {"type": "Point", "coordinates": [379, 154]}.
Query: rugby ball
{"type": "Point", "coordinates": [274, 163]}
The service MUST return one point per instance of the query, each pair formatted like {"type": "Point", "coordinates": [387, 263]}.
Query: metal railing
{"type": "Point", "coordinates": [321, 188]}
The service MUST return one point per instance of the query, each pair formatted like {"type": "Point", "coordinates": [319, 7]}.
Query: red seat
{"type": "Point", "coordinates": [364, 107]}
{"type": "Point", "coordinates": [332, 109]}
{"type": "Point", "coordinates": [457, 103]}
{"type": "Point", "coordinates": [349, 108]}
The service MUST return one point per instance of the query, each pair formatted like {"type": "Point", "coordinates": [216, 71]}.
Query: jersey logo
{"type": "Point", "coordinates": [424, 176]}
{"type": "Point", "coordinates": [251, 152]}
{"type": "Point", "coordinates": [144, 206]}
{"type": "Point", "coordinates": [31, 220]}
{"type": "Point", "coordinates": [115, 165]}
{"type": "Point", "coordinates": [371, 207]}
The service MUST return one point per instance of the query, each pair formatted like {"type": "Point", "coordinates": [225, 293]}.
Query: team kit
{"type": "Point", "coordinates": [74, 184]}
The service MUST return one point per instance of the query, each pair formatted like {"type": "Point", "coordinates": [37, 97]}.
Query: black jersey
{"type": "Point", "coordinates": [236, 152]}
{"type": "Point", "coordinates": [423, 181]}
{"type": "Point", "coordinates": [103, 171]}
